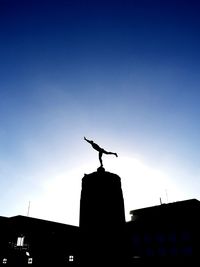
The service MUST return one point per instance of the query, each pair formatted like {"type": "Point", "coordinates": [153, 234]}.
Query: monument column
{"type": "Point", "coordinates": [102, 219]}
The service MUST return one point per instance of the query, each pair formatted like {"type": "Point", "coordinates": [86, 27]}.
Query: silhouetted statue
{"type": "Point", "coordinates": [100, 150]}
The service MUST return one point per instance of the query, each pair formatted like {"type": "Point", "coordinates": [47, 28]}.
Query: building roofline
{"type": "Point", "coordinates": [193, 201]}
{"type": "Point", "coordinates": [18, 217]}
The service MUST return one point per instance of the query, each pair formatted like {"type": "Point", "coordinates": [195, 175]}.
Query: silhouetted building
{"type": "Point", "coordinates": [26, 240]}
{"type": "Point", "coordinates": [102, 219]}
{"type": "Point", "coordinates": [165, 235]}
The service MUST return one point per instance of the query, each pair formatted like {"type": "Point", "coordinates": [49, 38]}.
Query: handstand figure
{"type": "Point", "coordinates": [100, 150]}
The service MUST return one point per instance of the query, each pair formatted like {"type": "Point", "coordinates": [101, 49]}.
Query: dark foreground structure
{"type": "Point", "coordinates": [163, 235]}
{"type": "Point", "coordinates": [29, 241]}
{"type": "Point", "coordinates": [102, 220]}
{"type": "Point", "coordinates": [166, 235]}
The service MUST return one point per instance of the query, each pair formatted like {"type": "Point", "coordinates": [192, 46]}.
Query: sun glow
{"type": "Point", "coordinates": [142, 186]}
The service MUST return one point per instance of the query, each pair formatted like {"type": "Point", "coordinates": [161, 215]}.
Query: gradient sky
{"type": "Point", "coordinates": [125, 74]}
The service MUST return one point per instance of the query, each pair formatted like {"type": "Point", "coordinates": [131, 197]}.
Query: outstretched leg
{"type": "Point", "coordinates": [110, 153]}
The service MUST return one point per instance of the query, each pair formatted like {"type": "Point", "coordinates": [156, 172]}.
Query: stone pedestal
{"type": "Point", "coordinates": [102, 218]}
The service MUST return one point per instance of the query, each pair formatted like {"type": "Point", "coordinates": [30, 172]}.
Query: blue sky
{"type": "Point", "coordinates": [123, 73]}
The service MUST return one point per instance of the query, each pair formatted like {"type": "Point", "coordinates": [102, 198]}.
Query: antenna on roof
{"type": "Point", "coordinates": [160, 201]}
{"type": "Point", "coordinates": [29, 204]}
{"type": "Point", "coordinates": [166, 195]}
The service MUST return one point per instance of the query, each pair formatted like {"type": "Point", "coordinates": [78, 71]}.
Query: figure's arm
{"type": "Point", "coordinates": [87, 140]}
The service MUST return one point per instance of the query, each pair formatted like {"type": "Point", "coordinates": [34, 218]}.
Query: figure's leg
{"type": "Point", "coordinates": [106, 152]}
{"type": "Point", "coordinates": [100, 158]}
{"type": "Point", "coordinates": [110, 153]}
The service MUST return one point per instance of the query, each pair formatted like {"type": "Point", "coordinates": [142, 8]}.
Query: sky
{"type": "Point", "coordinates": [122, 73]}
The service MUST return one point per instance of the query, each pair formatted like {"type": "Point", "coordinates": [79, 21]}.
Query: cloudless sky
{"type": "Point", "coordinates": [123, 73]}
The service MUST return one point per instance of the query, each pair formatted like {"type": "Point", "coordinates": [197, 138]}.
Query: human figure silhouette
{"type": "Point", "coordinates": [100, 150]}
